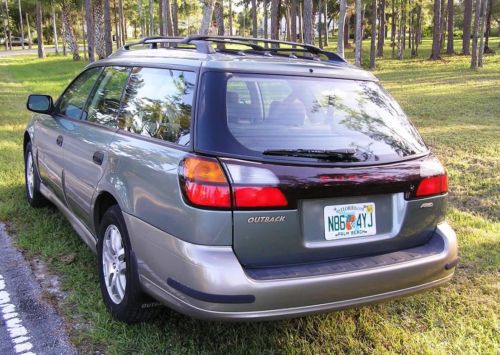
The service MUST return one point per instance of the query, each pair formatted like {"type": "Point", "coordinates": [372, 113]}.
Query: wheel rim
{"type": "Point", "coordinates": [113, 264]}
{"type": "Point", "coordinates": [30, 175]}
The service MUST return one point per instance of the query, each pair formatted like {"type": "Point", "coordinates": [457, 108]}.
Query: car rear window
{"type": "Point", "coordinates": [254, 115]}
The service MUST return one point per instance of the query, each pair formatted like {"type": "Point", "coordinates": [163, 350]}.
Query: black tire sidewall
{"type": "Point", "coordinates": [132, 298]}
{"type": "Point", "coordinates": [37, 200]}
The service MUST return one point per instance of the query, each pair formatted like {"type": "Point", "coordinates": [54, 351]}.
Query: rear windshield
{"type": "Point", "coordinates": [300, 118]}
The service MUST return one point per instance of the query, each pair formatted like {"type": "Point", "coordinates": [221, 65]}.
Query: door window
{"type": "Point", "coordinates": [74, 98]}
{"type": "Point", "coordinates": [104, 105]}
{"type": "Point", "coordinates": [158, 103]}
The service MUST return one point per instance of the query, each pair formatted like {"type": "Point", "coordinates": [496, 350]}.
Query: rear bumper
{"type": "Point", "coordinates": [208, 282]}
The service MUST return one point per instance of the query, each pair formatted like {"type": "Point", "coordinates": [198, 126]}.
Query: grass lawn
{"type": "Point", "coordinates": [458, 113]}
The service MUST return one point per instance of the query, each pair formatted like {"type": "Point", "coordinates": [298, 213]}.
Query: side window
{"type": "Point", "coordinates": [158, 103]}
{"type": "Point", "coordinates": [74, 98]}
{"type": "Point", "coordinates": [105, 102]}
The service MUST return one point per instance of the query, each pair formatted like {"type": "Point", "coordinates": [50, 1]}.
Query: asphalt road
{"type": "Point", "coordinates": [28, 324]}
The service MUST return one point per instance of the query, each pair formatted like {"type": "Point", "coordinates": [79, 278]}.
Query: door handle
{"type": "Point", "coordinates": [98, 157]}
{"type": "Point", "coordinates": [59, 140]}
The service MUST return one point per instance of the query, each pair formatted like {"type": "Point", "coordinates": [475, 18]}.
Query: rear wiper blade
{"type": "Point", "coordinates": [332, 155]}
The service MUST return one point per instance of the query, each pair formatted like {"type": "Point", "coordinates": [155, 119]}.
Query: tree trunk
{"type": "Point", "coordinates": [54, 30]}
{"type": "Point", "coordinates": [403, 24]}
{"type": "Point", "coordinates": [346, 31]}
{"type": "Point", "coordinates": [467, 28]}
{"type": "Point", "coordinates": [68, 30]}
{"type": "Point", "coordinates": [293, 20]}
{"type": "Point", "coordinates": [308, 22]}
{"type": "Point", "coordinates": [374, 35]}
{"type": "Point", "coordinates": [175, 18]}
{"type": "Point", "coordinates": [482, 29]}
{"type": "Point", "coordinates": [418, 28]}
{"type": "Point", "coordinates": [208, 9]}
{"type": "Point", "coordinates": [436, 31]}
{"type": "Point", "coordinates": [141, 16]}
{"type": "Point", "coordinates": [254, 18]}
{"type": "Point", "coordinates": [151, 18]}
{"type": "Point", "coordinates": [341, 26]}
{"type": "Point", "coordinates": [161, 19]}
{"type": "Point", "coordinates": [83, 35]}
{"type": "Point", "coordinates": [473, 62]}
{"type": "Point", "coordinates": [8, 39]}
{"type": "Point", "coordinates": [100, 28]}
{"type": "Point", "coordinates": [231, 17]}
{"type": "Point", "coordinates": [450, 48]}
{"type": "Point", "coordinates": [442, 27]}
{"type": "Point", "coordinates": [63, 35]}
{"type": "Point", "coordinates": [287, 18]}
{"type": "Point", "coordinates": [393, 29]}
{"type": "Point", "coordinates": [21, 23]}
{"type": "Point", "coordinates": [39, 30]}
{"type": "Point", "coordinates": [325, 20]}
{"type": "Point", "coordinates": [30, 40]}
{"type": "Point", "coordinates": [300, 30]}
{"type": "Point", "coordinates": [320, 27]}
{"type": "Point", "coordinates": [219, 17]}
{"type": "Point", "coordinates": [381, 30]}
{"type": "Point", "coordinates": [357, 50]}
{"type": "Point", "coordinates": [89, 19]}
{"type": "Point", "coordinates": [274, 19]}
{"type": "Point", "coordinates": [123, 29]}
{"type": "Point", "coordinates": [487, 49]}
{"type": "Point", "coordinates": [108, 40]}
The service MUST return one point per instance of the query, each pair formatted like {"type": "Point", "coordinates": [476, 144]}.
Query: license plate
{"type": "Point", "coordinates": [348, 221]}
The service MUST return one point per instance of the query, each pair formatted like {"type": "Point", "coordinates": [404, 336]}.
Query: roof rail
{"type": "Point", "coordinates": [202, 45]}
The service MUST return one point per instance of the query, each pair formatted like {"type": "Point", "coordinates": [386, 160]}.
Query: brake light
{"type": "Point", "coordinates": [204, 183]}
{"type": "Point", "coordinates": [434, 185]}
{"type": "Point", "coordinates": [246, 197]}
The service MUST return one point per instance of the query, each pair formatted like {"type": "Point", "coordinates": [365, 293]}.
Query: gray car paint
{"type": "Point", "coordinates": [194, 246]}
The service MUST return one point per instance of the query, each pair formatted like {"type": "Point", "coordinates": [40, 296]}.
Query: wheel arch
{"type": "Point", "coordinates": [103, 202]}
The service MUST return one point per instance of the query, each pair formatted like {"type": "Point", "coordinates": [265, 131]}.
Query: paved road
{"type": "Point", "coordinates": [28, 325]}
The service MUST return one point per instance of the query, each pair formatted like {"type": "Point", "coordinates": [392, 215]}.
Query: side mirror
{"type": "Point", "coordinates": [40, 103]}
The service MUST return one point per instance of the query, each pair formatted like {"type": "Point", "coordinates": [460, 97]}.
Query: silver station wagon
{"type": "Point", "coordinates": [234, 178]}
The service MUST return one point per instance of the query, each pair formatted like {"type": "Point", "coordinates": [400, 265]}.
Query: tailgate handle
{"type": "Point", "coordinates": [98, 157]}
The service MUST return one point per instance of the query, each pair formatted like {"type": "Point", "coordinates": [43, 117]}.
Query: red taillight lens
{"type": "Point", "coordinates": [247, 197]}
{"type": "Point", "coordinates": [434, 185]}
{"type": "Point", "coordinates": [204, 183]}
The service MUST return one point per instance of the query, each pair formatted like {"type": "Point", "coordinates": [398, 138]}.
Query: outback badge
{"type": "Point", "coordinates": [262, 219]}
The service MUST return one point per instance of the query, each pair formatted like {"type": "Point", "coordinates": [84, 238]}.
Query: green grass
{"type": "Point", "coordinates": [456, 110]}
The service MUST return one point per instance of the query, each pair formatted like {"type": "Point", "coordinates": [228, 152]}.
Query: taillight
{"type": "Point", "coordinates": [434, 185]}
{"type": "Point", "coordinates": [204, 183]}
{"type": "Point", "coordinates": [255, 196]}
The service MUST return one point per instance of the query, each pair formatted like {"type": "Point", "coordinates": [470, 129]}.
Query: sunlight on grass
{"type": "Point", "coordinates": [456, 110]}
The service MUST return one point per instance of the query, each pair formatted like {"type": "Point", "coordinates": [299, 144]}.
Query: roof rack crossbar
{"type": "Point", "coordinates": [202, 45]}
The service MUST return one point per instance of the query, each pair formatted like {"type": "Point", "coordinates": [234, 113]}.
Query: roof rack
{"type": "Point", "coordinates": [202, 45]}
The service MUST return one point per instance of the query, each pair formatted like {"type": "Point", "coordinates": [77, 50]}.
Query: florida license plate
{"type": "Point", "coordinates": [348, 221]}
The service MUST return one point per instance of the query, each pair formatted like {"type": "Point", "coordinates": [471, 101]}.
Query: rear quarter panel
{"type": "Point", "coordinates": [143, 176]}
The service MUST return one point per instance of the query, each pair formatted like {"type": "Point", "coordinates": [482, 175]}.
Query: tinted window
{"type": "Point", "coordinates": [298, 113]}
{"type": "Point", "coordinates": [105, 103]}
{"type": "Point", "coordinates": [74, 98]}
{"type": "Point", "coordinates": [158, 104]}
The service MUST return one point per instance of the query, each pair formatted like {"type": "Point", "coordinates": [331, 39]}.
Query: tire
{"type": "Point", "coordinates": [32, 180]}
{"type": "Point", "coordinates": [123, 298]}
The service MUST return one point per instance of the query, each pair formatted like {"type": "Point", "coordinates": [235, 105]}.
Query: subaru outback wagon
{"type": "Point", "coordinates": [234, 178]}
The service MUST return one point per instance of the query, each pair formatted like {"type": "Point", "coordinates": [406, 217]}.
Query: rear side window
{"type": "Point", "coordinates": [104, 104]}
{"type": "Point", "coordinates": [74, 98]}
{"type": "Point", "coordinates": [158, 104]}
